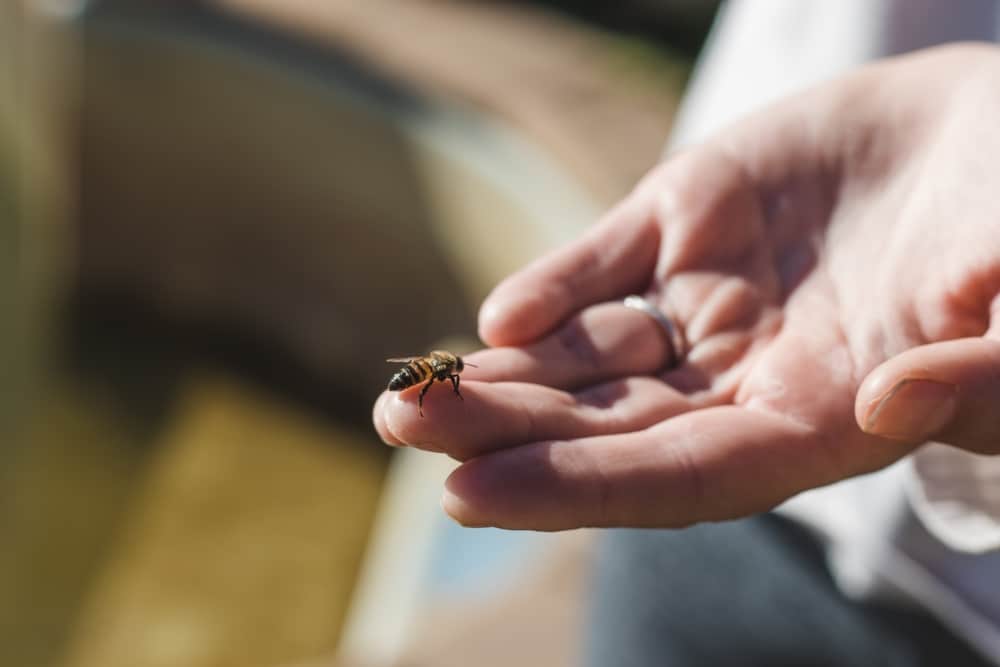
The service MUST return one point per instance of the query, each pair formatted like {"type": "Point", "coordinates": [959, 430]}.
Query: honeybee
{"type": "Point", "coordinates": [438, 365]}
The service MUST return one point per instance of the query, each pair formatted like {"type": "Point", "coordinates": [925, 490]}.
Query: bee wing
{"type": "Point", "coordinates": [402, 360]}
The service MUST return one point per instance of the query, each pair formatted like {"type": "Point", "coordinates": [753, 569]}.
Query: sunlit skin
{"type": "Point", "coordinates": [832, 251]}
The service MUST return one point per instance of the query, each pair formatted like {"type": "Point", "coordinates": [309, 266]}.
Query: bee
{"type": "Point", "coordinates": [438, 365]}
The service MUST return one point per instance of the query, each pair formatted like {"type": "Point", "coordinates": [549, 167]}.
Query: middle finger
{"type": "Point", "coordinates": [598, 344]}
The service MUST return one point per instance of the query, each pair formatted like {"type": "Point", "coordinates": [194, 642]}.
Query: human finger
{"type": "Point", "coordinates": [947, 392]}
{"type": "Point", "coordinates": [613, 258]}
{"type": "Point", "coordinates": [600, 343]}
{"type": "Point", "coordinates": [378, 418]}
{"type": "Point", "coordinates": [499, 415]}
{"type": "Point", "coordinates": [712, 464]}
{"type": "Point", "coordinates": [696, 212]}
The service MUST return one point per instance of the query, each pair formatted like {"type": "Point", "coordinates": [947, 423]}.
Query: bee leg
{"type": "Point", "coordinates": [454, 384]}
{"type": "Point", "coordinates": [420, 400]}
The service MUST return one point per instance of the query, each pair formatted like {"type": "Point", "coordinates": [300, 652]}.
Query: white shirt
{"type": "Point", "coordinates": [926, 530]}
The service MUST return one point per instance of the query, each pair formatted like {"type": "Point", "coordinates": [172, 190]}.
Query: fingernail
{"type": "Point", "coordinates": [912, 409]}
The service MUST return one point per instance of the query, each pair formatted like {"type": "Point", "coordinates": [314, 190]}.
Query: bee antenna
{"type": "Point", "coordinates": [466, 363]}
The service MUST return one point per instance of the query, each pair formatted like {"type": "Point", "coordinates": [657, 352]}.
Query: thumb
{"type": "Point", "coordinates": [947, 392]}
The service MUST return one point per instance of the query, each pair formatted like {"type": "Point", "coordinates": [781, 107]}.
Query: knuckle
{"type": "Point", "coordinates": [575, 341]}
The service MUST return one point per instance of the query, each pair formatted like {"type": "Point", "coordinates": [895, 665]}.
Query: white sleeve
{"type": "Point", "coordinates": [956, 495]}
{"type": "Point", "coordinates": [761, 50]}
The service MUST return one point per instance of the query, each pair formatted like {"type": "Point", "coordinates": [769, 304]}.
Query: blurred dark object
{"type": "Point", "coordinates": [238, 181]}
{"type": "Point", "coordinates": [597, 101]}
{"type": "Point", "coordinates": [679, 24]}
{"type": "Point", "coordinates": [248, 174]}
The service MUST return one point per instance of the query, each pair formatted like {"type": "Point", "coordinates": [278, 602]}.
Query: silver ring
{"type": "Point", "coordinates": [674, 335]}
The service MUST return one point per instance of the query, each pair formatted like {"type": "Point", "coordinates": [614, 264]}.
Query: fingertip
{"type": "Point", "coordinates": [933, 392]}
{"type": "Point", "coordinates": [515, 314]}
{"type": "Point", "coordinates": [381, 424]}
{"type": "Point", "coordinates": [411, 428]}
{"type": "Point", "coordinates": [470, 496]}
{"type": "Point", "coordinates": [398, 414]}
{"type": "Point", "coordinates": [514, 489]}
{"type": "Point", "coordinates": [460, 511]}
{"type": "Point", "coordinates": [491, 318]}
{"type": "Point", "coordinates": [873, 388]}
{"type": "Point", "coordinates": [912, 410]}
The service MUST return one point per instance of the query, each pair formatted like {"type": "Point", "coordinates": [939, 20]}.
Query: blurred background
{"type": "Point", "coordinates": [217, 219]}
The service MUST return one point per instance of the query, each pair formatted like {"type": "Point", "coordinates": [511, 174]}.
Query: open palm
{"type": "Point", "coordinates": [833, 261]}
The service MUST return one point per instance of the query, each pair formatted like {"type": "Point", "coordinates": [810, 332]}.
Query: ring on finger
{"type": "Point", "coordinates": [672, 331]}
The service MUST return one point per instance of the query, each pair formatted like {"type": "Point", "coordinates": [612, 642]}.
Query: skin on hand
{"type": "Point", "coordinates": [835, 263]}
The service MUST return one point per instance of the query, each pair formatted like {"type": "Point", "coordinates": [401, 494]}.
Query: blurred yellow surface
{"type": "Point", "coordinates": [232, 537]}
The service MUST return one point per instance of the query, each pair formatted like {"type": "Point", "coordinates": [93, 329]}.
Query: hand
{"type": "Point", "coordinates": [834, 262]}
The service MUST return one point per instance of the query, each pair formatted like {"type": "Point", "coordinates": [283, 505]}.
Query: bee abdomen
{"type": "Point", "coordinates": [409, 375]}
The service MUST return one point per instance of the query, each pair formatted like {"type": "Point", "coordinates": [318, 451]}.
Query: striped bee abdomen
{"type": "Point", "coordinates": [412, 373]}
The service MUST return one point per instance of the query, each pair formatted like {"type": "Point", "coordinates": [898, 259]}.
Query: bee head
{"type": "Point", "coordinates": [459, 364]}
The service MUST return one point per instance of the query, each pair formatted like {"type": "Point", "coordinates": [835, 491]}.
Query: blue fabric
{"type": "Point", "coordinates": [750, 592]}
